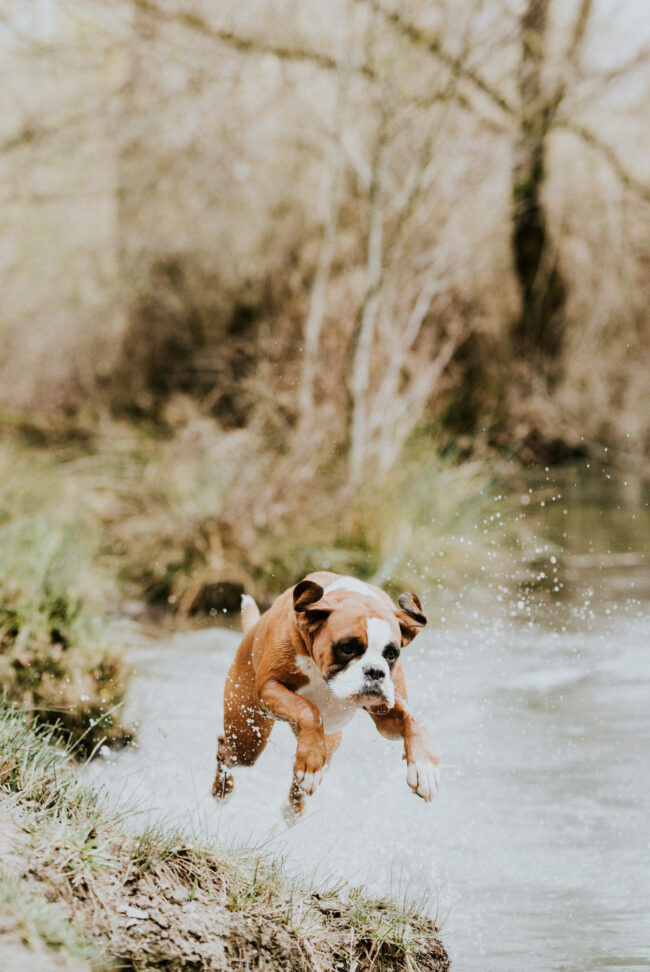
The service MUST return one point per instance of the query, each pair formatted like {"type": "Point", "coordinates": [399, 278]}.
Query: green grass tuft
{"type": "Point", "coordinates": [58, 657]}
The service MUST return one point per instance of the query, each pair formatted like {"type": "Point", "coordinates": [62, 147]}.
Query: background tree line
{"type": "Point", "coordinates": [331, 224]}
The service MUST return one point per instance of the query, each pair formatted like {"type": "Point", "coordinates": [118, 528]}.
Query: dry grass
{"type": "Point", "coordinates": [188, 517]}
{"type": "Point", "coordinates": [59, 658]}
{"type": "Point", "coordinates": [158, 900]}
{"type": "Point", "coordinates": [191, 515]}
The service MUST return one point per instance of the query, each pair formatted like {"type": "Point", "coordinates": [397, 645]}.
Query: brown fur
{"type": "Point", "coordinates": [263, 680]}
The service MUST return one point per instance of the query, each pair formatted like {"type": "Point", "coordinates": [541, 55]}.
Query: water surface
{"type": "Point", "coordinates": [535, 853]}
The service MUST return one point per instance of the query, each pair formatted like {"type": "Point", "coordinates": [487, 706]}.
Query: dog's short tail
{"type": "Point", "coordinates": [250, 613]}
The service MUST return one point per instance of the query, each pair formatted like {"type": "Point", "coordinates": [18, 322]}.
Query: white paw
{"type": "Point", "coordinates": [424, 779]}
{"type": "Point", "coordinates": [309, 782]}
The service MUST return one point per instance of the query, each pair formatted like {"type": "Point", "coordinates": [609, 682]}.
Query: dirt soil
{"type": "Point", "coordinates": [154, 923]}
{"type": "Point", "coordinates": [193, 913]}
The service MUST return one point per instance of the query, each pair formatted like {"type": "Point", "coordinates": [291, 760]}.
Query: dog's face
{"type": "Point", "coordinates": [356, 639]}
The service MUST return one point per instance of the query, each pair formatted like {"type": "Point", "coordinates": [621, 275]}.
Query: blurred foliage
{"type": "Point", "coordinates": [192, 516]}
{"type": "Point", "coordinates": [363, 217]}
{"type": "Point", "coordinates": [58, 656]}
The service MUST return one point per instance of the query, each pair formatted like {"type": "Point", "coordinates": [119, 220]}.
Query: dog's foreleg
{"type": "Point", "coordinates": [296, 803]}
{"type": "Point", "coordinates": [311, 751]}
{"type": "Point", "coordinates": [422, 772]}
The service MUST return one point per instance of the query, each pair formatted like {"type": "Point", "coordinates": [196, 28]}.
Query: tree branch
{"type": "Point", "coordinates": [434, 46]}
{"type": "Point", "coordinates": [284, 52]}
{"type": "Point", "coordinates": [248, 45]}
{"type": "Point", "coordinates": [610, 156]}
{"type": "Point", "coordinates": [33, 132]}
{"type": "Point", "coordinates": [579, 32]}
{"type": "Point", "coordinates": [572, 61]}
{"type": "Point", "coordinates": [641, 58]}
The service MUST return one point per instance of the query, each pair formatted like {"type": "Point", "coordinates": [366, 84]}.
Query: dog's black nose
{"type": "Point", "coordinates": [375, 674]}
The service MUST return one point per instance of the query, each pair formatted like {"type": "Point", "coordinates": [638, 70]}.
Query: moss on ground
{"type": "Point", "coordinates": [75, 887]}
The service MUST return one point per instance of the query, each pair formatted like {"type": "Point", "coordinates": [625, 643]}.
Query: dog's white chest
{"type": "Point", "coordinates": [335, 713]}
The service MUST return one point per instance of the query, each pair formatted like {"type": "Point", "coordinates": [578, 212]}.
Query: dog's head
{"type": "Point", "coordinates": [355, 635]}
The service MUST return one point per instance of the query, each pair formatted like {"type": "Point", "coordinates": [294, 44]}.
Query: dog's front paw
{"type": "Point", "coordinates": [309, 782]}
{"type": "Point", "coordinates": [423, 778]}
{"type": "Point", "coordinates": [309, 766]}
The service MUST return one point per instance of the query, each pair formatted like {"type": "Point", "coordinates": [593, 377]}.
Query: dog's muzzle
{"type": "Point", "coordinates": [375, 695]}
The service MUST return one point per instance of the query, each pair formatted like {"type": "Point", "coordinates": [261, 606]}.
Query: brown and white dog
{"type": "Point", "coordinates": [325, 648]}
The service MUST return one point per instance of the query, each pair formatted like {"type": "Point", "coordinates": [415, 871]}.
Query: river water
{"type": "Point", "coordinates": [535, 855]}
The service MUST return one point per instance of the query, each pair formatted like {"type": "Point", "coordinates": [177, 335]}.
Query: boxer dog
{"type": "Point", "coordinates": [326, 648]}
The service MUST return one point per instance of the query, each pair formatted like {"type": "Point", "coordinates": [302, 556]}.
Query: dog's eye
{"type": "Point", "coordinates": [391, 653]}
{"type": "Point", "coordinates": [349, 648]}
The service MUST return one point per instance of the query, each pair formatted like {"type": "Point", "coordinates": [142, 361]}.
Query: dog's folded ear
{"type": "Point", "coordinates": [310, 610]}
{"type": "Point", "coordinates": [410, 617]}
{"type": "Point", "coordinates": [305, 594]}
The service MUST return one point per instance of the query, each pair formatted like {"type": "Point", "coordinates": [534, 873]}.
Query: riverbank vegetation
{"type": "Point", "coordinates": [80, 890]}
{"type": "Point", "coordinates": [107, 524]}
{"type": "Point", "coordinates": [60, 655]}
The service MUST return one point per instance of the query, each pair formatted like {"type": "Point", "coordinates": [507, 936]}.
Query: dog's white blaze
{"type": "Point", "coordinates": [352, 584]}
{"type": "Point", "coordinates": [335, 712]}
{"type": "Point", "coordinates": [379, 635]}
{"type": "Point", "coordinates": [352, 679]}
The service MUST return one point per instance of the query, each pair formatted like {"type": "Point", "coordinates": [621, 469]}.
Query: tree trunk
{"type": "Point", "coordinates": [130, 163]}
{"type": "Point", "coordinates": [539, 331]}
{"type": "Point", "coordinates": [317, 300]}
{"type": "Point", "coordinates": [364, 332]}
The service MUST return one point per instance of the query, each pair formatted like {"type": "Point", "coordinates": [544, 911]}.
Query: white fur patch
{"type": "Point", "coordinates": [353, 679]}
{"type": "Point", "coordinates": [353, 585]}
{"type": "Point", "coordinates": [424, 779]}
{"type": "Point", "coordinates": [309, 782]}
{"type": "Point", "coordinates": [335, 712]}
{"type": "Point", "coordinates": [379, 635]}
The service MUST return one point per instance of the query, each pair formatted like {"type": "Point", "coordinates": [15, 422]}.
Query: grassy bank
{"type": "Point", "coordinates": [76, 891]}
{"type": "Point", "coordinates": [60, 656]}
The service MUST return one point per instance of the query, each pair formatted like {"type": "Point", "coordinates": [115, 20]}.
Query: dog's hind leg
{"type": "Point", "coordinates": [223, 780]}
{"type": "Point", "coordinates": [246, 726]}
{"type": "Point", "coordinates": [296, 805]}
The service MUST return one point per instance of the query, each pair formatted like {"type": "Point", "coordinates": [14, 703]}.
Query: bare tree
{"type": "Point", "coordinates": [329, 204]}
{"type": "Point", "coordinates": [363, 335]}
{"type": "Point", "coordinates": [539, 329]}
{"type": "Point", "coordinates": [299, 250]}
